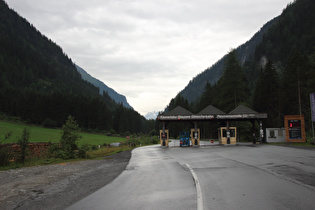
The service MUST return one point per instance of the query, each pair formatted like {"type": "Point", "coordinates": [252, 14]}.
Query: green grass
{"type": "Point", "coordinates": [40, 134]}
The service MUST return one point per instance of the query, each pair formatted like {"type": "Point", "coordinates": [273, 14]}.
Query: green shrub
{"type": "Point", "coordinates": [5, 155]}
{"type": "Point", "coordinates": [94, 147]}
{"type": "Point", "coordinates": [23, 142]}
{"type": "Point", "coordinates": [81, 153]}
{"type": "Point", "coordinates": [86, 147]}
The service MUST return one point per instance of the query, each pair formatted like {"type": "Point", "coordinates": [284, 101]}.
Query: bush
{"type": "Point", "coordinates": [81, 153]}
{"type": "Point", "coordinates": [55, 151]}
{"type": "Point", "coordinates": [86, 147]}
{"type": "Point", "coordinates": [4, 157]}
{"type": "Point", "coordinates": [23, 142]}
{"type": "Point", "coordinates": [94, 147]}
{"type": "Point", "coordinates": [153, 132]}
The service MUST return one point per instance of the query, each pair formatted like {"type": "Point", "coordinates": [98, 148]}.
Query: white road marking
{"type": "Point", "coordinates": [197, 183]}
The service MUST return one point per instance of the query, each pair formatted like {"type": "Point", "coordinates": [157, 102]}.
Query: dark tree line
{"type": "Point", "coordinates": [277, 92]}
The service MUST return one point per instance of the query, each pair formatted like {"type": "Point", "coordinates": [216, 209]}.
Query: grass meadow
{"type": "Point", "coordinates": [40, 134]}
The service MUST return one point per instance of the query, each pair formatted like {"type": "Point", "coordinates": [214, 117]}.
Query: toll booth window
{"type": "Point", "coordinates": [232, 132]}
{"type": "Point", "coordinates": [272, 134]}
{"type": "Point", "coordinates": [224, 133]}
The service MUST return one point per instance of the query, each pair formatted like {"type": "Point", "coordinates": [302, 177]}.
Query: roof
{"type": "Point", "coordinates": [241, 109]}
{"type": "Point", "coordinates": [179, 111]}
{"type": "Point", "coordinates": [211, 110]}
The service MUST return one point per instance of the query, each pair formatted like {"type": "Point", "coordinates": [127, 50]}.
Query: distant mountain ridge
{"type": "Point", "coordinates": [118, 98]}
{"type": "Point", "coordinates": [151, 115]}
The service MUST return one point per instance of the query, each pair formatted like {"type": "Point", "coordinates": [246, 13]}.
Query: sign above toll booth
{"type": "Point", "coordinates": [213, 117]}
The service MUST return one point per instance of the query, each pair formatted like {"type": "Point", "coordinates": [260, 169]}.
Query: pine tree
{"type": "Point", "coordinates": [206, 97]}
{"type": "Point", "coordinates": [294, 85]}
{"type": "Point", "coordinates": [233, 84]}
{"type": "Point", "coordinates": [69, 138]}
{"type": "Point", "coordinates": [266, 95]}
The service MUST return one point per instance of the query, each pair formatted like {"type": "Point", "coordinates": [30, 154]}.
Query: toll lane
{"type": "Point", "coordinates": [261, 177]}
{"type": "Point", "coordinates": [152, 180]}
{"type": "Point", "coordinates": [228, 177]}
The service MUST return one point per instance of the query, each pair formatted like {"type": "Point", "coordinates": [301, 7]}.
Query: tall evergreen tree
{"type": "Point", "coordinates": [294, 85]}
{"type": "Point", "coordinates": [233, 84]}
{"type": "Point", "coordinates": [179, 100]}
{"type": "Point", "coordinates": [266, 95]}
{"type": "Point", "coordinates": [206, 97]}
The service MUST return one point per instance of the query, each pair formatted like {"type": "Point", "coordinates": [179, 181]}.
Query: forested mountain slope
{"type": "Point", "coordinates": [30, 60]}
{"type": "Point", "coordinates": [40, 84]}
{"type": "Point", "coordinates": [293, 31]}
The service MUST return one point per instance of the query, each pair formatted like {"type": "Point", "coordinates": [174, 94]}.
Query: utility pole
{"type": "Point", "coordinates": [299, 91]}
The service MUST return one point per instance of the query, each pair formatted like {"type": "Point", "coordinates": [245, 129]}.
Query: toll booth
{"type": "Point", "coordinates": [195, 136]}
{"type": "Point", "coordinates": [222, 134]}
{"type": "Point", "coordinates": [164, 139]}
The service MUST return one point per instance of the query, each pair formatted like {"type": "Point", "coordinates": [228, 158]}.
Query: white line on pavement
{"type": "Point", "coordinates": [197, 183]}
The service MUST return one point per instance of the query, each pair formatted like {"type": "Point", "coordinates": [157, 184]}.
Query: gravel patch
{"type": "Point", "coordinates": [60, 185]}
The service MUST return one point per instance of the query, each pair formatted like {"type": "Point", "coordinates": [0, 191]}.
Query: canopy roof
{"type": "Point", "coordinates": [211, 110]}
{"type": "Point", "coordinates": [179, 111]}
{"type": "Point", "coordinates": [241, 109]}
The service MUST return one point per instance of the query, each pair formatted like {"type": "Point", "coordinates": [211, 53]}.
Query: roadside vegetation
{"type": "Point", "coordinates": [66, 144]}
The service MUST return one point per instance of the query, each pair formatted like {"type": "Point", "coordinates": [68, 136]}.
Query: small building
{"type": "Point", "coordinates": [275, 135]}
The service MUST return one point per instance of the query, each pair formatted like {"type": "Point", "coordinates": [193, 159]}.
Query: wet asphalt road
{"type": "Point", "coordinates": [211, 177]}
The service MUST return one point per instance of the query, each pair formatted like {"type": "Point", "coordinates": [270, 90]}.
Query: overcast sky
{"type": "Point", "coordinates": [147, 50]}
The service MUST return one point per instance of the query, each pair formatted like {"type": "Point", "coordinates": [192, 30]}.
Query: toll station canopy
{"type": "Point", "coordinates": [211, 113]}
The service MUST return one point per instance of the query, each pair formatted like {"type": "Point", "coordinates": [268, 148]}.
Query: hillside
{"type": "Point", "coordinates": [274, 72]}
{"type": "Point", "coordinates": [294, 31]}
{"type": "Point", "coordinates": [277, 40]}
{"type": "Point", "coordinates": [212, 74]}
{"type": "Point", "coordinates": [118, 98]}
{"type": "Point", "coordinates": [39, 83]}
{"type": "Point", "coordinates": [29, 59]}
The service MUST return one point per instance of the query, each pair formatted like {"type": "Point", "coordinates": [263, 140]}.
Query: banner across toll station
{"type": "Point", "coordinates": [213, 117]}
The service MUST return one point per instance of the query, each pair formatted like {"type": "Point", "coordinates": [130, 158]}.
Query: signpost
{"type": "Point", "coordinates": [312, 101]}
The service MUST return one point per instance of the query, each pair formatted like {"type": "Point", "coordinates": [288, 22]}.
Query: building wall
{"type": "Point", "coordinates": [275, 135]}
